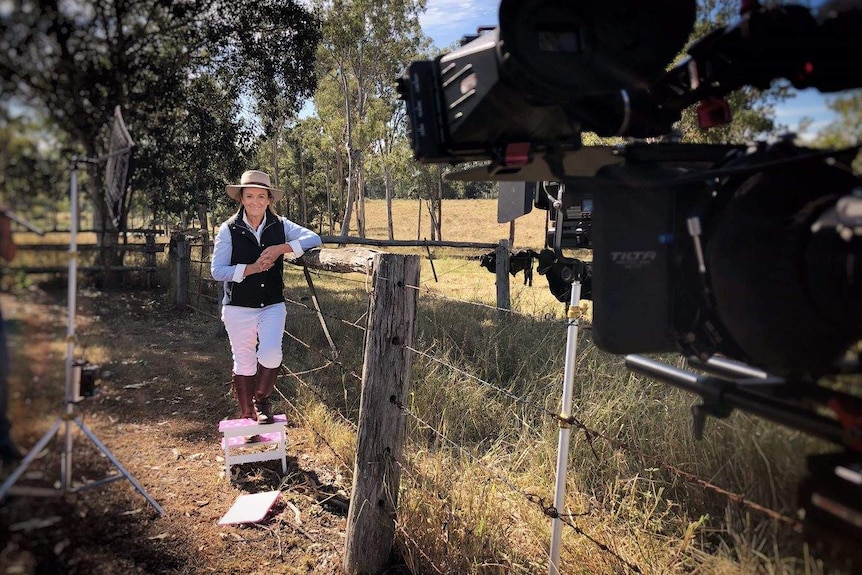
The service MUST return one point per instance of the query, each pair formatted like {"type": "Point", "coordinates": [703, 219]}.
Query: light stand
{"type": "Point", "coordinates": [565, 428]}
{"type": "Point", "coordinates": [69, 417]}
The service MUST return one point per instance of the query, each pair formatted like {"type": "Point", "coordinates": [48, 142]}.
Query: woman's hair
{"type": "Point", "coordinates": [271, 206]}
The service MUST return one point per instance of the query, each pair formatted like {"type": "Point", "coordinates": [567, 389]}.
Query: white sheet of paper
{"type": "Point", "coordinates": [250, 508]}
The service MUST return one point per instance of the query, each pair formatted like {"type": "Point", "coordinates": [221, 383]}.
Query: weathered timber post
{"type": "Point", "coordinates": [181, 250]}
{"type": "Point", "coordinates": [150, 257]}
{"type": "Point", "coordinates": [502, 270]}
{"type": "Point", "coordinates": [385, 381]}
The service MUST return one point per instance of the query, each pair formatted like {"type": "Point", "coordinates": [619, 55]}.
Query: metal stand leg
{"type": "Point", "coordinates": [28, 459]}
{"type": "Point", "coordinates": [69, 416]}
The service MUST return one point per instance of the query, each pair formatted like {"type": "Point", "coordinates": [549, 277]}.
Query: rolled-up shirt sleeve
{"type": "Point", "coordinates": [220, 267]}
{"type": "Point", "coordinates": [299, 238]}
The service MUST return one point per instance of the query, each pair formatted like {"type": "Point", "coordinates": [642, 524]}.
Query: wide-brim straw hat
{"type": "Point", "coordinates": [254, 179]}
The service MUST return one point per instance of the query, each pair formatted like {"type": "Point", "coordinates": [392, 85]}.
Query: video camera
{"type": "Point", "coordinates": [746, 259]}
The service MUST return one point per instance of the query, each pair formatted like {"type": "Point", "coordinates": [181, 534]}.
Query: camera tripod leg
{"type": "Point", "coordinates": [66, 465]}
{"type": "Point", "coordinates": [119, 466]}
{"type": "Point", "coordinates": [28, 459]}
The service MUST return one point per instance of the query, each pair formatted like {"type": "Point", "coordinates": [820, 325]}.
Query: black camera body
{"type": "Point", "coordinates": [730, 266]}
{"type": "Point", "coordinates": [685, 257]}
{"type": "Point", "coordinates": [570, 216]}
{"type": "Point", "coordinates": [745, 259]}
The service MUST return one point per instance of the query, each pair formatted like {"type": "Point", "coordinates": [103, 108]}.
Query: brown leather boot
{"type": "Point", "coordinates": [244, 386]}
{"type": "Point", "coordinates": [265, 386]}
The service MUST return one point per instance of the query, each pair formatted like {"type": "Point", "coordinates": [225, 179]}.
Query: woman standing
{"type": "Point", "coordinates": [249, 258]}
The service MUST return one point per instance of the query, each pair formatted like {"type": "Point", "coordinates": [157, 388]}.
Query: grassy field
{"type": "Point", "coordinates": [482, 446]}
{"type": "Point", "coordinates": [478, 472]}
{"type": "Point", "coordinates": [482, 449]}
{"type": "Point", "coordinates": [463, 221]}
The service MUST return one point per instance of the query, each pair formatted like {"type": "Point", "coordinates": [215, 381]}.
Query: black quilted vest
{"type": "Point", "coordinates": [264, 288]}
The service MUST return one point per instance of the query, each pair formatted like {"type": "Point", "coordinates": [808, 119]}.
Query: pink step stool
{"type": "Point", "coordinates": [235, 431]}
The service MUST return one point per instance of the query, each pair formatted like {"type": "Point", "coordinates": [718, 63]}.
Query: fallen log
{"type": "Point", "coordinates": [340, 260]}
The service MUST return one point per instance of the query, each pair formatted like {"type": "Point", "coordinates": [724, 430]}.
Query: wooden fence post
{"type": "Point", "coordinates": [385, 380]}
{"type": "Point", "coordinates": [150, 258]}
{"type": "Point", "coordinates": [502, 270]}
{"type": "Point", "coordinates": [183, 264]}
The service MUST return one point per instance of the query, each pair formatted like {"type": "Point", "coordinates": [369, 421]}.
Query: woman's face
{"type": "Point", "coordinates": [255, 201]}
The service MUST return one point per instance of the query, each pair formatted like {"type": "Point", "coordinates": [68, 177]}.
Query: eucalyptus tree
{"type": "Point", "coordinates": [189, 150]}
{"type": "Point", "coordinates": [365, 45]}
{"type": "Point", "coordinates": [752, 109]}
{"type": "Point", "coordinates": [32, 178]}
{"type": "Point", "coordinates": [845, 130]}
{"type": "Point", "coordinates": [75, 61]}
{"type": "Point", "coordinates": [276, 70]}
{"type": "Point", "coordinates": [319, 165]}
{"type": "Point", "coordinates": [313, 157]}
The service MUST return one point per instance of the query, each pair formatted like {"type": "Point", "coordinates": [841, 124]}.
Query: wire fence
{"type": "Point", "coordinates": [314, 373]}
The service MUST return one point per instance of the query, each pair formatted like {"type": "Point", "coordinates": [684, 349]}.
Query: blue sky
{"type": "Point", "coordinates": [446, 21]}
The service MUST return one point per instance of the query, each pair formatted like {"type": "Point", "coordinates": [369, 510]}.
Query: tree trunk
{"type": "Point", "coordinates": [302, 192]}
{"type": "Point", "coordinates": [341, 260]}
{"type": "Point", "coordinates": [387, 179]}
{"type": "Point", "coordinates": [360, 194]}
{"type": "Point", "coordinates": [430, 205]}
{"type": "Point", "coordinates": [351, 155]}
{"type": "Point", "coordinates": [438, 211]}
{"type": "Point", "coordinates": [339, 173]}
{"type": "Point", "coordinates": [326, 174]}
{"type": "Point", "coordinates": [205, 227]}
{"type": "Point", "coordinates": [419, 223]}
{"type": "Point", "coordinates": [108, 235]}
{"type": "Point", "coordinates": [275, 160]}
{"type": "Point", "coordinates": [348, 211]}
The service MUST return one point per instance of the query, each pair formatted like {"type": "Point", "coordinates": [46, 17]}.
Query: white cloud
{"type": "Point", "coordinates": [449, 13]}
{"type": "Point", "coordinates": [445, 21]}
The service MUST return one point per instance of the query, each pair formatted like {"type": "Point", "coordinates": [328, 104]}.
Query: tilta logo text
{"type": "Point", "coordinates": [633, 257]}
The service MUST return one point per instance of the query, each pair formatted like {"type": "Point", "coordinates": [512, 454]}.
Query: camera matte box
{"type": "Point", "coordinates": [631, 280]}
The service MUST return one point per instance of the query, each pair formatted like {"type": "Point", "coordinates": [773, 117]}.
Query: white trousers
{"type": "Point", "coordinates": [255, 336]}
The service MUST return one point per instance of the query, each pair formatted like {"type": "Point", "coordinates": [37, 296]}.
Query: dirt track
{"type": "Point", "coordinates": [163, 391]}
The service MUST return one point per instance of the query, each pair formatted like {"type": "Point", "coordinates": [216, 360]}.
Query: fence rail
{"type": "Point", "coordinates": [148, 250]}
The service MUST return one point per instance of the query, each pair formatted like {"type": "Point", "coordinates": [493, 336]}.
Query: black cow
{"type": "Point", "coordinates": [519, 260]}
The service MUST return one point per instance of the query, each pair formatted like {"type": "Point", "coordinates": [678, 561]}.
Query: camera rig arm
{"type": "Point", "coordinates": [788, 42]}
{"type": "Point", "coordinates": [720, 396]}
{"type": "Point", "coordinates": [830, 496]}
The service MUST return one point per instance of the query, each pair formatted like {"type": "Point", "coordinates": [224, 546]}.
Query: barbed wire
{"type": "Point", "coordinates": [313, 311]}
{"type": "Point", "coordinates": [603, 546]}
{"type": "Point", "coordinates": [314, 430]}
{"type": "Point", "coordinates": [329, 359]}
{"type": "Point", "coordinates": [418, 548]}
{"type": "Point", "coordinates": [549, 511]}
{"type": "Point", "coordinates": [455, 269]}
{"type": "Point", "coordinates": [591, 434]}
{"type": "Point", "coordinates": [317, 394]}
{"type": "Point", "coordinates": [478, 379]}
{"type": "Point", "coordinates": [337, 276]}
{"type": "Point", "coordinates": [434, 294]}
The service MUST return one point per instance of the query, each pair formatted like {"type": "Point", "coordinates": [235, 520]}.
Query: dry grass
{"type": "Point", "coordinates": [463, 221]}
{"type": "Point", "coordinates": [478, 470]}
